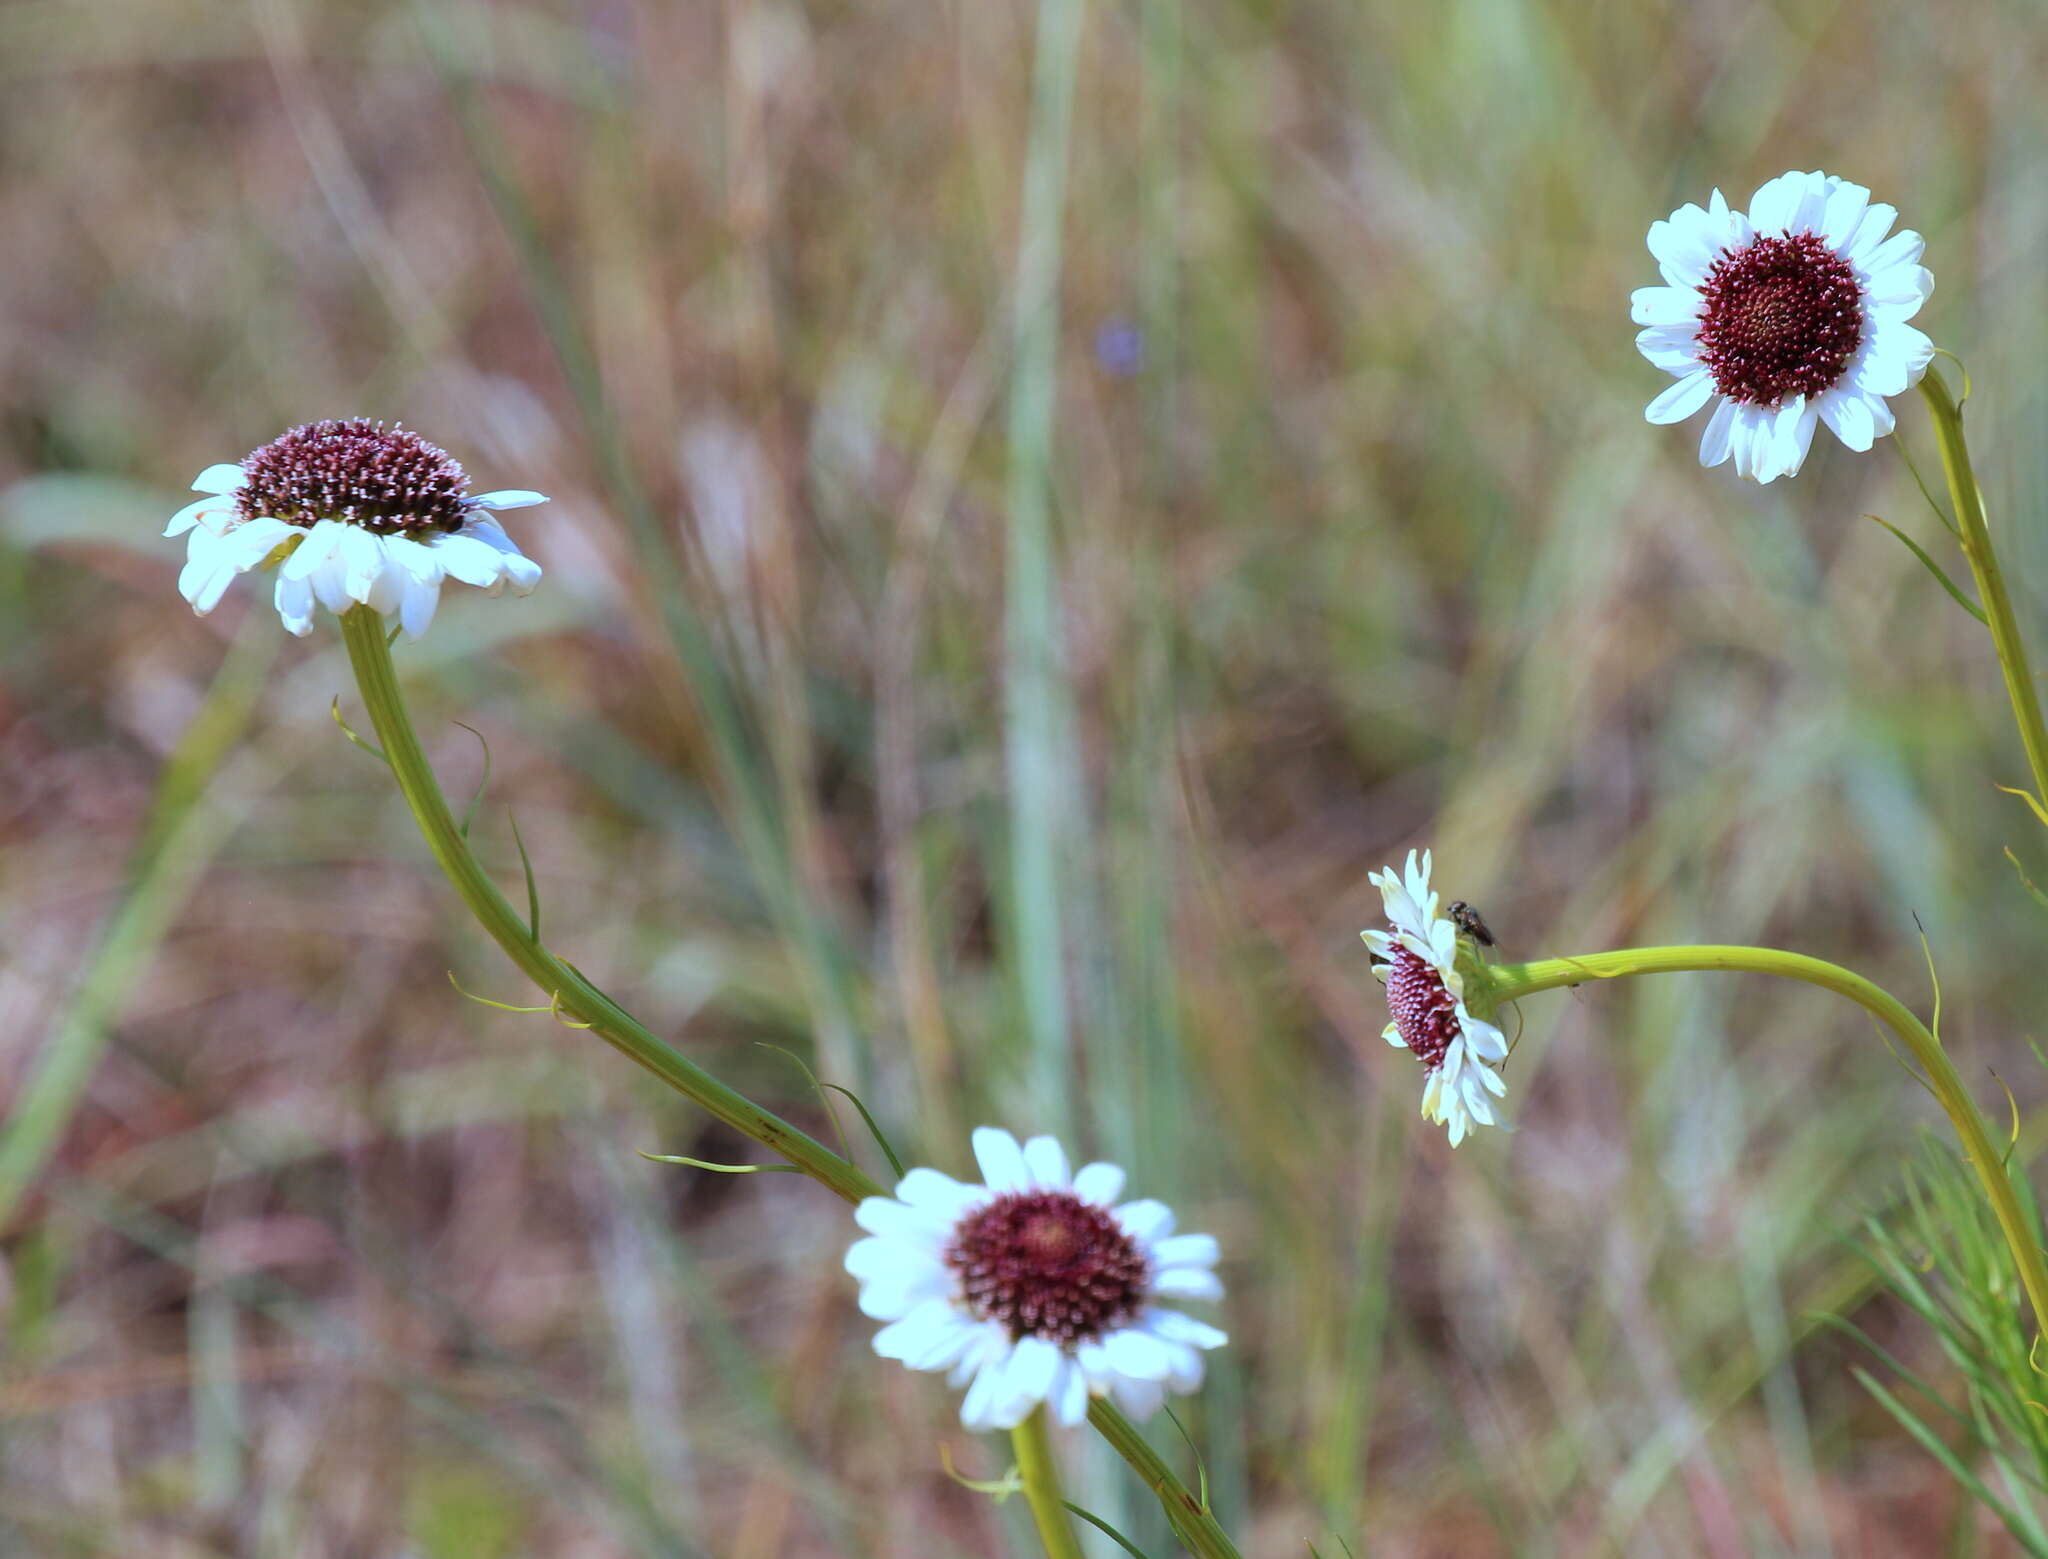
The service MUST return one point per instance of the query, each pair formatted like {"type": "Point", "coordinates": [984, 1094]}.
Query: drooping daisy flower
{"type": "Point", "coordinates": [1417, 962]}
{"type": "Point", "coordinates": [1791, 314]}
{"type": "Point", "coordinates": [1035, 1287]}
{"type": "Point", "coordinates": [350, 512]}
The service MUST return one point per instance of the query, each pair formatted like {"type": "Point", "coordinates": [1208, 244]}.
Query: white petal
{"type": "Point", "coordinates": [1047, 1162]}
{"type": "Point", "coordinates": [1186, 1250]}
{"type": "Point", "coordinates": [984, 1406]}
{"type": "Point", "coordinates": [1068, 1395]}
{"type": "Point", "coordinates": [221, 478]}
{"type": "Point", "coordinates": [363, 563]}
{"type": "Point", "coordinates": [1146, 1221]}
{"type": "Point", "coordinates": [896, 1291]}
{"type": "Point", "coordinates": [1139, 1399]}
{"type": "Point", "coordinates": [1681, 248]}
{"type": "Point", "coordinates": [514, 566]}
{"type": "Point", "coordinates": [294, 601]}
{"type": "Point", "coordinates": [916, 1226]}
{"type": "Point", "coordinates": [1845, 209]}
{"type": "Point", "coordinates": [329, 583]}
{"type": "Point", "coordinates": [1714, 443]}
{"type": "Point", "coordinates": [1137, 1355]}
{"type": "Point", "coordinates": [466, 558]}
{"type": "Point", "coordinates": [312, 553]}
{"type": "Point", "coordinates": [931, 1337]}
{"type": "Point", "coordinates": [1673, 348]}
{"type": "Point", "coordinates": [1101, 1184]}
{"type": "Point", "coordinates": [1682, 399]}
{"type": "Point", "coordinates": [1664, 305]}
{"type": "Point", "coordinates": [1185, 1329]}
{"type": "Point", "coordinates": [508, 498]}
{"type": "Point", "coordinates": [1870, 231]}
{"type": "Point", "coordinates": [1034, 1367]}
{"type": "Point", "coordinates": [1901, 290]}
{"type": "Point", "coordinates": [1392, 1035]}
{"type": "Point", "coordinates": [1187, 1283]}
{"type": "Point", "coordinates": [1482, 1038]}
{"type": "Point", "coordinates": [939, 1194]}
{"type": "Point", "coordinates": [204, 584]}
{"type": "Point", "coordinates": [1001, 1160]}
{"type": "Point", "coordinates": [1902, 248]}
{"type": "Point", "coordinates": [1847, 415]}
{"type": "Point", "coordinates": [1777, 202]}
{"type": "Point", "coordinates": [250, 544]}
{"type": "Point", "coordinates": [198, 509]}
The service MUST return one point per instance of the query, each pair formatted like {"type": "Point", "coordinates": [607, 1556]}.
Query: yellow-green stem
{"type": "Point", "coordinates": [1975, 534]}
{"type": "Point", "coordinates": [577, 999]}
{"type": "Point", "coordinates": [1041, 1475]}
{"type": "Point", "coordinates": [1507, 982]}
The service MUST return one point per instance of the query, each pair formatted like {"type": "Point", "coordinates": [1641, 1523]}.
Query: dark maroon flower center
{"type": "Point", "coordinates": [1782, 316]}
{"type": "Point", "coordinates": [1425, 1011]}
{"type": "Point", "coordinates": [388, 480]}
{"type": "Point", "coordinates": [1047, 1264]}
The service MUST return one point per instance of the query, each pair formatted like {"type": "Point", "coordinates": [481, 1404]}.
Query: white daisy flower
{"type": "Point", "coordinates": [350, 512]}
{"type": "Point", "coordinates": [1792, 314]}
{"type": "Point", "coordinates": [1417, 961]}
{"type": "Point", "coordinates": [1035, 1287]}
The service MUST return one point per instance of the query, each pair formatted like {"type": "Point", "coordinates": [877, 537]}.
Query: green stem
{"type": "Point", "coordinates": [1512, 981]}
{"type": "Point", "coordinates": [1975, 533]}
{"type": "Point", "coordinates": [576, 998]}
{"type": "Point", "coordinates": [1041, 1475]}
{"type": "Point", "coordinates": [1189, 1516]}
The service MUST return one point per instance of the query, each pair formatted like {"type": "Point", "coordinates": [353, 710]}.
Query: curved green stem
{"type": "Point", "coordinates": [1041, 1475]}
{"type": "Point", "coordinates": [577, 999]}
{"type": "Point", "coordinates": [1974, 531]}
{"type": "Point", "coordinates": [1510, 981]}
{"type": "Point", "coordinates": [573, 995]}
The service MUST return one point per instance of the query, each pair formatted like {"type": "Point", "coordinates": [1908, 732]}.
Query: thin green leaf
{"type": "Point", "coordinates": [1000, 1489]}
{"type": "Point", "coordinates": [2033, 801]}
{"type": "Point", "coordinates": [1961, 368]}
{"type": "Point", "coordinates": [368, 747]}
{"type": "Point", "coordinates": [532, 892]}
{"type": "Point", "coordinates": [483, 780]}
{"type": "Point", "coordinates": [1940, 513]}
{"type": "Point", "coordinates": [1201, 1467]}
{"type": "Point", "coordinates": [875, 1131]}
{"type": "Point", "coordinates": [1935, 569]}
{"type": "Point", "coordinates": [485, 1001]}
{"type": "Point", "coordinates": [2026, 882]}
{"type": "Point", "coordinates": [845, 1147]}
{"type": "Point", "coordinates": [1106, 1529]}
{"type": "Point", "coordinates": [721, 1169]}
{"type": "Point", "coordinates": [1934, 1446]}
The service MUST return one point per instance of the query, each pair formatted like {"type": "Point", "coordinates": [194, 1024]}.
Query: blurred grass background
{"type": "Point", "coordinates": [1045, 499]}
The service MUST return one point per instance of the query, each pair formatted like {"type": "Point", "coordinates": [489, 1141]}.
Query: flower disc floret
{"type": "Point", "coordinates": [387, 480]}
{"type": "Point", "coordinates": [1036, 1286]}
{"type": "Point", "coordinates": [1047, 1264]}
{"type": "Point", "coordinates": [1781, 316]}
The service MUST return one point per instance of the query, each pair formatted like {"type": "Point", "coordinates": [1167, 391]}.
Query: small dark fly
{"type": "Point", "coordinates": [1467, 920]}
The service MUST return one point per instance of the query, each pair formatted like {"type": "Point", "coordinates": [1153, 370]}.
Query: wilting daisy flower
{"type": "Point", "coordinates": [1035, 1287]}
{"type": "Point", "coordinates": [1417, 962]}
{"type": "Point", "coordinates": [350, 512]}
{"type": "Point", "coordinates": [1791, 314]}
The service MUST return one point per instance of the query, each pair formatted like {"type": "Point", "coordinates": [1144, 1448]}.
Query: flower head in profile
{"type": "Point", "coordinates": [1791, 314]}
{"type": "Point", "coordinates": [1036, 1286]}
{"type": "Point", "coordinates": [351, 513]}
{"type": "Point", "coordinates": [1417, 960]}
